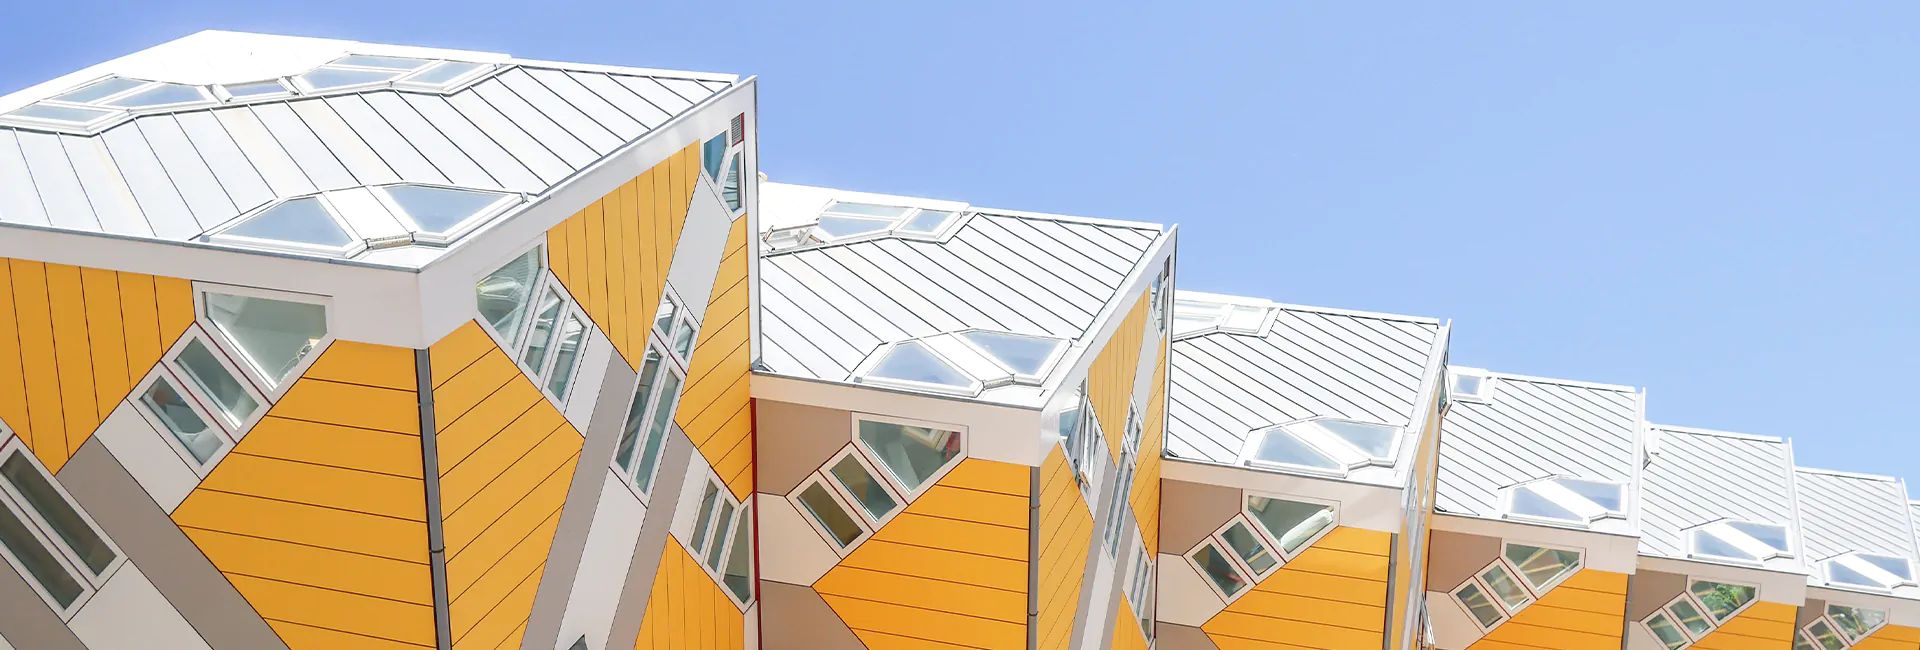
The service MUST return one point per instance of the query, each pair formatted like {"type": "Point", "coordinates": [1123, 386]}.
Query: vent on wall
{"type": "Point", "coordinates": [739, 128]}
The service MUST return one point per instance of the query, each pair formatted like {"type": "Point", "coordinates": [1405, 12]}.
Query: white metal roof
{"type": "Point", "coordinates": [1535, 428]}
{"type": "Point", "coordinates": [177, 173]}
{"type": "Point", "coordinates": [1304, 362]}
{"type": "Point", "coordinates": [1699, 477]}
{"type": "Point", "coordinates": [1842, 512]}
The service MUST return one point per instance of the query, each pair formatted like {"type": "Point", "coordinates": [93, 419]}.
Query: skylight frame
{"type": "Point", "coordinates": [1488, 385]}
{"type": "Point", "coordinates": [1324, 442]}
{"type": "Point", "coordinates": [1221, 315]}
{"type": "Point", "coordinates": [1826, 573]}
{"type": "Point", "coordinates": [1059, 351]}
{"type": "Point", "coordinates": [505, 203]}
{"type": "Point", "coordinates": [113, 114]}
{"type": "Point", "coordinates": [861, 374]}
{"type": "Point", "coordinates": [1279, 545]}
{"type": "Point", "coordinates": [225, 96]}
{"type": "Point", "coordinates": [1693, 542]}
{"type": "Point", "coordinates": [1509, 494]}
{"type": "Point", "coordinates": [356, 244]}
{"type": "Point", "coordinates": [894, 230]}
{"type": "Point", "coordinates": [410, 81]}
{"type": "Point", "coordinates": [1826, 614]}
{"type": "Point", "coordinates": [305, 87]}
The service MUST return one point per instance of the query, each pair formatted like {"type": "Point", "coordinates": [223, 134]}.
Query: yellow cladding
{"type": "Point", "coordinates": [613, 256]}
{"type": "Point", "coordinates": [1891, 637]}
{"type": "Point", "coordinates": [1110, 379]}
{"type": "Point", "coordinates": [73, 342]}
{"type": "Point", "coordinates": [1331, 597]}
{"type": "Point", "coordinates": [911, 583]}
{"type": "Point", "coordinates": [506, 459]}
{"type": "Point", "coordinates": [318, 516]}
{"type": "Point", "coordinates": [1066, 527]}
{"type": "Point", "coordinates": [714, 410]}
{"type": "Point", "coordinates": [1126, 629]}
{"type": "Point", "coordinates": [1763, 626]}
{"type": "Point", "coordinates": [1586, 612]}
{"type": "Point", "coordinates": [1146, 477]}
{"type": "Point", "coordinates": [686, 609]}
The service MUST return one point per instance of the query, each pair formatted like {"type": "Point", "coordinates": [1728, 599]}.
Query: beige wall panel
{"type": "Point", "coordinates": [146, 455]}
{"type": "Point", "coordinates": [130, 614]}
{"type": "Point", "coordinates": [796, 439]}
{"type": "Point", "coordinates": [1455, 557]}
{"type": "Point", "coordinates": [801, 620]}
{"type": "Point", "coordinates": [1652, 590]}
{"type": "Point", "coordinates": [1192, 511]}
{"type": "Point", "coordinates": [1181, 637]}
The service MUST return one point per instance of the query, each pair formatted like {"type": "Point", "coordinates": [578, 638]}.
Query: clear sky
{"type": "Point", "coordinates": [1713, 200]}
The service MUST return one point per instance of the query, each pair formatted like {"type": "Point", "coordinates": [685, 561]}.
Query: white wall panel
{"type": "Point", "coordinates": [147, 456]}
{"type": "Point", "coordinates": [794, 553]}
{"type": "Point", "coordinates": [604, 562]}
{"type": "Point", "coordinates": [1184, 597]}
{"type": "Point", "coordinates": [590, 374]}
{"type": "Point", "coordinates": [130, 614]}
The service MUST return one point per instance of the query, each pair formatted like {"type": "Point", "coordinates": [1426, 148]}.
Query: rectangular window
{"type": "Point", "coordinates": [826, 511]}
{"type": "Point", "coordinates": [1484, 611]}
{"type": "Point", "coordinates": [860, 485]}
{"type": "Point", "coordinates": [202, 365]}
{"type": "Point", "coordinates": [182, 419]}
{"type": "Point", "coordinates": [540, 338]}
{"type": "Point", "coordinates": [737, 577]}
{"type": "Point", "coordinates": [572, 336]}
{"type": "Point", "coordinates": [705, 517]}
{"type": "Point", "coordinates": [1218, 569]}
{"type": "Point", "coordinates": [1117, 506]}
{"type": "Point", "coordinates": [45, 535]}
{"type": "Point", "coordinates": [650, 415]}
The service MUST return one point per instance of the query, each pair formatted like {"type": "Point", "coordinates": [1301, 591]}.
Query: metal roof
{"type": "Point", "coordinates": [1534, 428]}
{"type": "Point", "coordinates": [1699, 477]}
{"type": "Point", "coordinates": [176, 174]}
{"type": "Point", "coordinates": [828, 306]}
{"type": "Point", "coordinates": [1308, 362]}
{"type": "Point", "coordinates": [1842, 512]}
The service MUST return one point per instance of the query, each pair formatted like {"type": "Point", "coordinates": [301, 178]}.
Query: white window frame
{"type": "Point", "coordinates": [1487, 385]}
{"type": "Point", "coordinates": [1273, 540]}
{"type": "Point", "coordinates": [1060, 347]}
{"type": "Point", "coordinates": [226, 96]}
{"type": "Point", "coordinates": [568, 308]}
{"type": "Point", "coordinates": [1507, 497]}
{"type": "Point", "coordinates": [1219, 537]}
{"type": "Point", "coordinates": [409, 80]}
{"type": "Point", "coordinates": [953, 224]}
{"type": "Point", "coordinates": [235, 351]}
{"type": "Point", "coordinates": [839, 489]}
{"type": "Point", "coordinates": [742, 517]}
{"type": "Point", "coordinates": [886, 475]}
{"type": "Point", "coordinates": [1141, 588]}
{"type": "Point", "coordinates": [1678, 624]}
{"type": "Point", "coordinates": [115, 114]}
{"type": "Point", "coordinates": [196, 403]}
{"type": "Point", "coordinates": [1119, 503]}
{"type": "Point", "coordinates": [1580, 564]}
{"type": "Point", "coordinates": [1694, 552]}
{"type": "Point", "coordinates": [1191, 556]}
{"type": "Point", "coordinates": [1826, 573]}
{"type": "Point", "coordinates": [398, 74]}
{"type": "Point", "coordinates": [230, 360]}
{"type": "Point", "coordinates": [50, 540]}
{"type": "Point", "coordinates": [1475, 582]}
{"type": "Point", "coordinates": [632, 478]}
{"type": "Point", "coordinates": [723, 497]}
{"type": "Point", "coordinates": [1250, 449]}
{"type": "Point", "coordinates": [852, 510]}
{"type": "Point", "coordinates": [512, 347]}
{"type": "Point", "coordinates": [1519, 578]}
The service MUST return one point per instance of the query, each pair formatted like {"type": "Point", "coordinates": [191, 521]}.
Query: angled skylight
{"type": "Point", "coordinates": [1326, 445]}
{"type": "Point", "coordinates": [445, 72]}
{"type": "Point", "coordinates": [914, 364]}
{"type": "Point", "coordinates": [445, 211]}
{"type": "Point", "coordinates": [1469, 384]}
{"type": "Point", "coordinates": [327, 78]}
{"type": "Point", "coordinates": [1191, 316]}
{"type": "Point", "coordinates": [74, 115]}
{"type": "Point", "coordinates": [1027, 356]}
{"type": "Point", "coordinates": [928, 221]}
{"type": "Point", "coordinates": [1740, 541]}
{"type": "Point", "coordinates": [161, 94]}
{"type": "Point", "coordinates": [256, 89]}
{"type": "Point", "coordinates": [100, 90]}
{"type": "Point", "coordinates": [1870, 571]}
{"type": "Point", "coordinates": [102, 101]}
{"type": "Point", "coordinates": [304, 222]}
{"type": "Point", "coordinates": [845, 220]}
{"type": "Point", "coordinates": [836, 227]}
{"type": "Point", "coordinates": [1568, 500]}
{"type": "Point", "coordinates": [383, 62]}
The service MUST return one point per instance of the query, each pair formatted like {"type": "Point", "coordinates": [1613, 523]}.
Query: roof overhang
{"type": "Point", "coordinates": [997, 432]}
{"type": "Point", "coordinates": [1784, 587]}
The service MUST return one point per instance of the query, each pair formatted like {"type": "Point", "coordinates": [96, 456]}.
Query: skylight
{"type": "Point", "coordinates": [75, 115]}
{"type": "Point", "coordinates": [445, 211]}
{"type": "Point", "coordinates": [445, 72]}
{"type": "Point", "coordinates": [844, 220]}
{"type": "Point", "coordinates": [305, 223]}
{"type": "Point", "coordinates": [1567, 500]}
{"type": "Point", "coordinates": [256, 89]}
{"type": "Point", "coordinates": [328, 78]}
{"type": "Point", "coordinates": [1740, 541]}
{"type": "Point", "coordinates": [1027, 356]}
{"type": "Point", "coordinates": [106, 99]}
{"type": "Point", "coordinates": [1324, 446]}
{"type": "Point", "coordinates": [1470, 385]}
{"type": "Point", "coordinates": [1191, 316]}
{"type": "Point", "coordinates": [914, 364]}
{"type": "Point", "coordinates": [383, 62]}
{"type": "Point", "coordinates": [161, 94]}
{"type": "Point", "coordinates": [101, 90]}
{"type": "Point", "coordinates": [1870, 571]}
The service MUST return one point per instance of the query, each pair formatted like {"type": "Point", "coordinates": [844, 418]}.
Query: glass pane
{"type": "Point", "coordinates": [445, 72]}
{"type": "Point", "coordinates": [66, 522]}
{"type": "Point", "coordinates": [1219, 570]}
{"type": "Point", "coordinates": [705, 519]}
{"type": "Point", "coordinates": [867, 209]}
{"type": "Point", "coordinates": [205, 369]}
{"type": "Point", "coordinates": [438, 210]}
{"type": "Point", "coordinates": [572, 335]}
{"type": "Point", "coordinates": [864, 487]}
{"type": "Point", "coordinates": [300, 221]}
{"type": "Point", "coordinates": [161, 95]}
{"type": "Point", "coordinates": [1773, 536]}
{"type": "Point", "coordinates": [683, 340]}
{"type": "Point", "coordinates": [738, 576]}
{"type": "Point", "coordinates": [1528, 502]}
{"type": "Point", "coordinates": [1668, 633]}
{"type": "Point", "coordinates": [388, 62]}
{"type": "Point", "coordinates": [730, 190]}
{"type": "Point", "coordinates": [1690, 617]}
{"type": "Point", "coordinates": [256, 88]}
{"type": "Point", "coordinates": [1826, 637]}
{"type": "Point", "coordinates": [1503, 585]}
{"type": "Point", "coordinates": [1281, 447]}
{"type": "Point", "coordinates": [1026, 355]}
{"type": "Point", "coordinates": [1722, 600]}
{"type": "Point", "coordinates": [663, 317]}
{"type": "Point", "coordinates": [325, 78]}
{"type": "Point", "coordinates": [39, 561]}
{"type": "Point", "coordinates": [503, 295]}
{"type": "Point", "coordinates": [535, 356]}
{"type": "Point", "coordinates": [1856, 623]}
{"type": "Point", "coordinates": [1248, 547]}
{"type": "Point", "coordinates": [1542, 566]}
{"type": "Point", "coordinates": [163, 401]}
{"type": "Point", "coordinates": [1801, 642]}
{"type": "Point", "coordinates": [928, 221]}
{"type": "Point", "coordinates": [827, 511]}
{"type": "Point", "coordinates": [1838, 571]}
{"type": "Point", "coordinates": [1480, 605]}
{"type": "Point", "coordinates": [637, 410]}
{"type": "Point", "coordinates": [1374, 440]}
{"type": "Point", "coordinates": [1291, 522]}
{"type": "Point", "coordinates": [657, 429]}
{"type": "Point", "coordinates": [1705, 542]}
{"type": "Point", "coordinates": [1898, 566]}
{"type": "Point", "coordinates": [273, 334]}
{"type": "Point", "coordinates": [55, 113]}
{"type": "Point", "coordinates": [836, 226]}
{"type": "Point", "coordinates": [101, 90]}
{"type": "Point", "coordinates": [712, 154]}
{"type": "Point", "coordinates": [912, 361]}
{"type": "Point", "coordinates": [1605, 495]}
{"type": "Point", "coordinates": [720, 537]}
{"type": "Point", "coordinates": [1469, 385]}
{"type": "Point", "coordinates": [911, 454]}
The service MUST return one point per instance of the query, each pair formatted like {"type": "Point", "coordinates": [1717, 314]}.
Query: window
{"type": "Point", "coordinates": [1666, 632]}
{"type": "Point", "coordinates": [1323, 446]}
{"type": "Point", "coordinates": [826, 512]}
{"type": "Point", "coordinates": [872, 495]}
{"type": "Point", "coordinates": [1026, 357]}
{"type": "Point", "coordinates": [253, 89]}
{"type": "Point", "coordinates": [1513, 581]}
{"type": "Point", "coordinates": [847, 220]}
{"type": "Point", "coordinates": [1739, 541]}
{"type": "Point", "coordinates": [1198, 316]}
{"type": "Point", "coordinates": [1270, 533]}
{"type": "Point", "coordinates": [553, 344]}
{"type": "Point", "coordinates": [1567, 500]}
{"type": "Point", "coordinates": [182, 419]}
{"type": "Point", "coordinates": [650, 414]}
{"type": "Point", "coordinates": [443, 213]}
{"type": "Point", "coordinates": [911, 364]}
{"type": "Point", "coordinates": [1821, 632]}
{"type": "Point", "coordinates": [200, 397]}
{"type": "Point", "coordinates": [1081, 437]}
{"type": "Point", "coordinates": [1250, 548]}
{"type": "Point", "coordinates": [1292, 525]}
{"type": "Point", "coordinates": [1220, 571]}
{"type": "Point", "coordinates": [912, 455]}
{"type": "Point", "coordinates": [1501, 582]}
{"type": "Point", "coordinates": [211, 375]}
{"type": "Point", "coordinates": [356, 70]}
{"type": "Point", "coordinates": [104, 100]}
{"type": "Point", "coordinates": [272, 336]}
{"type": "Point", "coordinates": [504, 294]}
{"type": "Point", "coordinates": [1694, 614]}
{"type": "Point", "coordinates": [737, 575]}
{"type": "Point", "coordinates": [1472, 596]}
{"type": "Point", "coordinates": [1118, 510]}
{"type": "Point", "coordinates": [1542, 567]}
{"type": "Point", "coordinates": [1870, 571]}
{"type": "Point", "coordinates": [871, 480]}
{"type": "Point", "coordinates": [1139, 589]}
{"type": "Point", "coordinates": [721, 540]}
{"type": "Point", "coordinates": [307, 224]}
{"type": "Point", "coordinates": [1854, 622]}
{"type": "Point", "coordinates": [45, 537]}
{"type": "Point", "coordinates": [1470, 385]}
{"type": "Point", "coordinates": [722, 157]}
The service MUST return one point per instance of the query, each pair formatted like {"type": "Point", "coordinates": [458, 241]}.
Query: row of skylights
{"type": "Point", "coordinates": [1202, 316]}
{"type": "Point", "coordinates": [318, 224]}
{"type": "Point", "coordinates": [1325, 446]}
{"type": "Point", "coordinates": [1565, 500]}
{"type": "Point", "coordinates": [1516, 579]}
{"type": "Point", "coordinates": [108, 100]}
{"type": "Point", "coordinates": [963, 363]}
{"type": "Point", "coordinates": [845, 221]}
{"type": "Point", "coordinates": [1870, 571]}
{"type": "Point", "coordinates": [1697, 612]}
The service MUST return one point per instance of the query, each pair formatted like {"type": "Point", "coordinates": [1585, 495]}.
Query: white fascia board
{"type": "Point", "coordinates": [1783, 587]}
{"type": "Point", "coordinates": [1372, 507]}
{"type": "Point", "coordinates": [998, 433]}
{"type": "Point", "coordinates": [1605, 551]}
{"type": "Point", "coordinates": [446, 284]}
{"type": "Point", "coordinates": [720, 77]}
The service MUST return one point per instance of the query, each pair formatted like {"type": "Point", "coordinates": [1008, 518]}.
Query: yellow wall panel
{"type": "Point", "coordinates": [714, 407]}
{"type": "Point", "coordinates": [1587, 611]}
{"type": "Point", "coordinates": [687, 610]}
{"type": "Point", "coordinates": [1146, 478]}
{"type": "Point", "coordinates": [329, 547]}
{"type": "Point", "coordinates": [1331, 597]}
{"type": "Point", "coordinates": [1110, 378]}
{"type": "Point", "coordinates": [1891, 637]}
{"type": "Point", "coordinates": [1066, 529]}
{"type": "Point", "coordinates": [507, 457]}
{"type": "Point", "coordinates": [1126, 630]}
{"type": "Point", "coordinates": [988, 518]}
{"type": "Point", "coordinates": [73, 341]}
{"type": "Point", "coordinates": [1763, 626]}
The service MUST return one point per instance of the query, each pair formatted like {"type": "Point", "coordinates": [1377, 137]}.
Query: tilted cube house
{"type": "Point", "coordinates": [310, 345]}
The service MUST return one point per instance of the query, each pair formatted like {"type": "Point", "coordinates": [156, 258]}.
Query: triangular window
{"type": "Point", "coordinates": [442, 211]}
{"type": "Point", "coordinates": [1024, 355]}
{"type": "Point", "coordinates": [913, 362]}
{"type": "Point", "coordinates": [299, 221]}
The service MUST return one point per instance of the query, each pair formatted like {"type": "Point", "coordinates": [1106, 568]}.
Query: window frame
{"type": "Point", "coordinates": [228, 361]}
{"type": "Point", "coordinates": [1219, 537]}
{"type": "Point", "coordinates": [1191, 556]}
{"type": "Point", "coordinates": [1141, 588]}
{"type": "Point", "coordinates": [505, 201]}
{"type": "Point", "coordinates": [1249, 450]}
{"type": "Point", "coordinates": [409, 82]}
{"type": "Point", "coordinates": [836, 487]}
{"type": "Point", "coordinates": [742, 516]}
{"type": "Point", "coordinates": [1691, 581]}
{"type": "Point", "coordinates": [632, 478]}
{"type": "Point", "coordinates": [1693, 546]}
{"type": "Point", "coordinates": [226, 343]}
{"type": "Point", "coordinates": [862, 373]}
{"type": "Point", "coordinates": [356, 244]}
{"type": "Point", "coordinates": [539, 279]}
{"type": "Point", "coordinates": [50, 539]}
{"type": "Point", "coordinates": [886, 473]}
{"type": "Point", "coordinates": [1826, 614]}
{"type": "Point", "coordinates": [1507, 499]}
{"type": "Point", "coordinates": [1084, 449]}
{"type": "Point", "coordinates": [851, 510]}
{"type": "Point", "coordinates": [1487, 385]}
{"type": "Point", "coordinates": [1826, 573]}
{"type": "Point", "coordinates": [197, 405]}
{"type": "Point", "coordinates": [1580, 564]}
{"type": "Point", "coordinates": [1279, 549]}
{"type": "Point", "coordinates": [1475, 583]}
{"type": "Point", "coordinates": [1119, 503]}
{"type": "Point", "coordinates": [958, 220]}
{"type": "Point", "coordinates": [1518, 577]}
{"type": "Point", "coordinates": [569, 308]}
{"type": "Point", "coordinates": [1059, 351]}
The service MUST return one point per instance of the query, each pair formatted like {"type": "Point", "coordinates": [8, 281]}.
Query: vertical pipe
{"type": "Point", "coordinates": [430, 470]}
{"type": "Point", "coordinates": [1033, 559]}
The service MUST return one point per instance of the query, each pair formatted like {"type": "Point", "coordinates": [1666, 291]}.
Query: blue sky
{"type": "Point", "coordinates": [1714, 200]}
